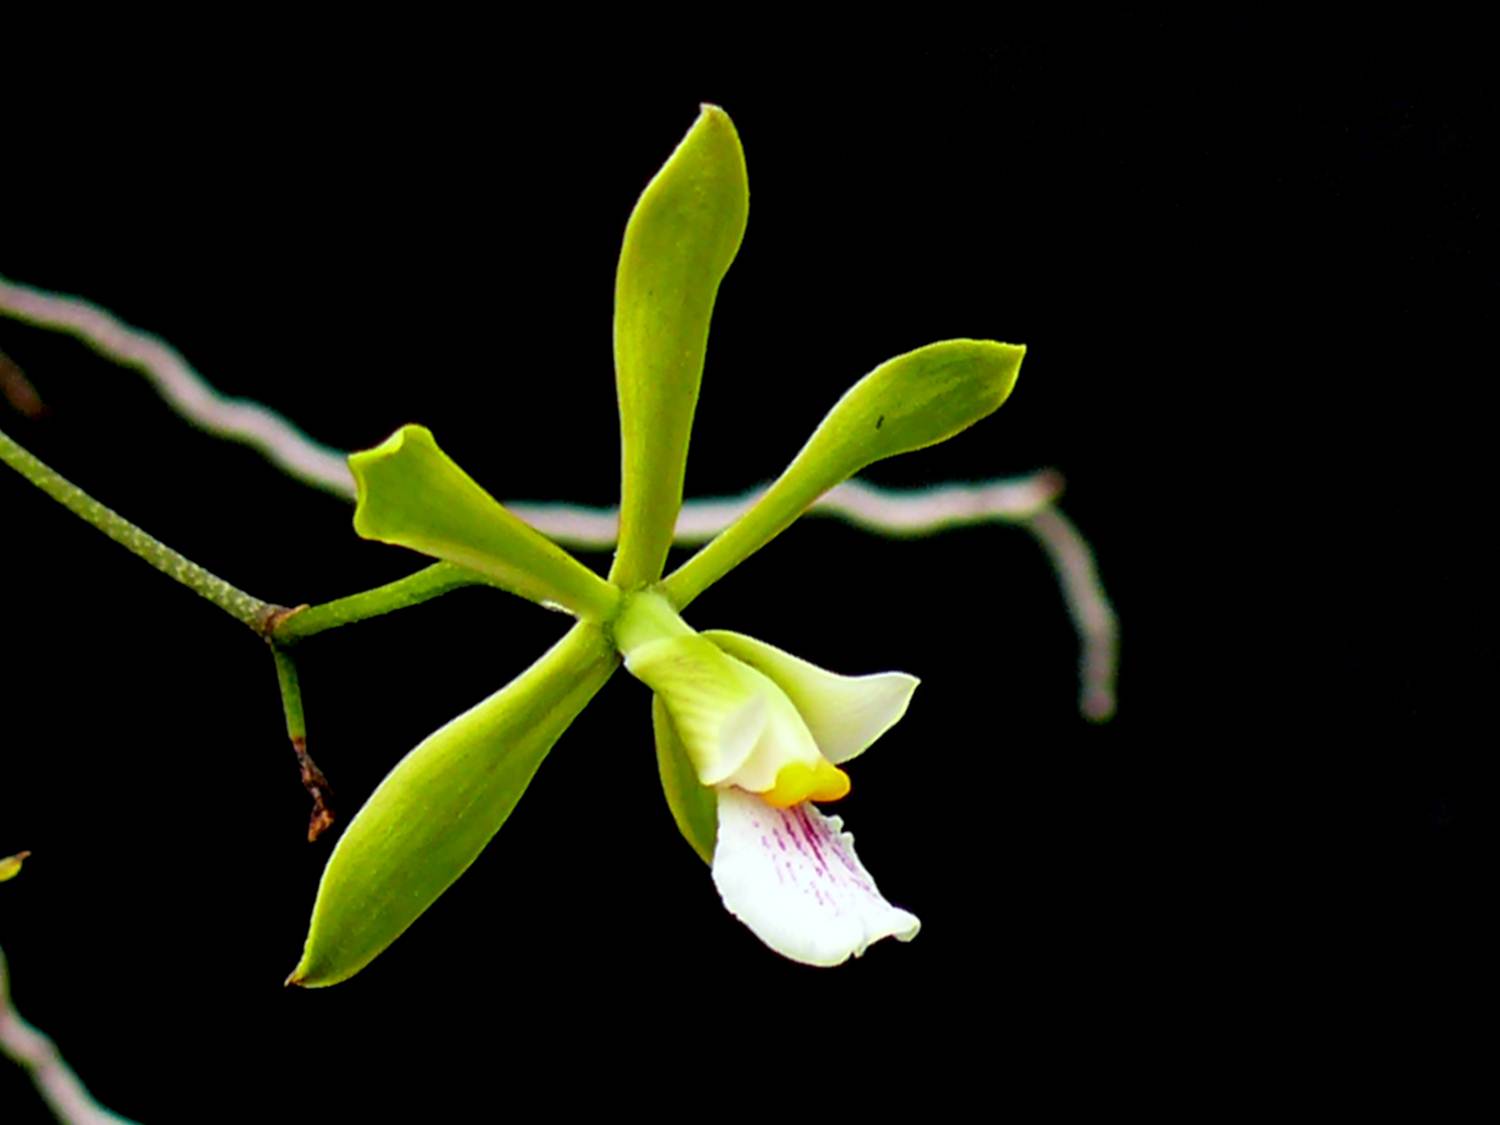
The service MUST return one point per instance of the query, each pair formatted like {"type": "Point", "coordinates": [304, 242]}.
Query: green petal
{"type": "Point", "coordinates": [915, 400]}
{"type": "Point", "coordinates": [680, 240]}
{"type": "Point", "coordinates": [845, 714]}
{"type": "Point", "coordinates": [412, 494]}
{"type": "Point", "coordinates": [433, 814]}
{"type": "Point", "coordinates": [695, 807]}
{"type": "Point", "coordinates": [718, 706]}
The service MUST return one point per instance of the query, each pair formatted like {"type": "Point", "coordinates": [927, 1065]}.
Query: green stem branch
{"type": "Point", "coordinates": [291, 695]}
{"type": "Point", "coordinates": [231, 599]}
{"type": "Point", "coordinates": [275, 623]}
{"type": "Point", "coordinates": [281, 627]}
{"type": "Point", "coordinates": [428, 583]}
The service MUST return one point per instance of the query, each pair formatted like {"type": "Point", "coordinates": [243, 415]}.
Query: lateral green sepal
{"type": "Point", "coordinates": [907, 403]}
{"type": "Point", "coordinates": [434, 813]}
{"type": "Point", "coordinates": [412, 494]}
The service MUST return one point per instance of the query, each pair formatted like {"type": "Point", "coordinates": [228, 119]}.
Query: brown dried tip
{"type": "Point", "coordinates": [320, 820]}
{"type": "Point", "coordinates": [316, 784]}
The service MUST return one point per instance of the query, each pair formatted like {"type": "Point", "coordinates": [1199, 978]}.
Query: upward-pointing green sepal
{"type": "Point", "coordinates": [412, 494]}
{"type": "Point", "coordinates": [681, 238]}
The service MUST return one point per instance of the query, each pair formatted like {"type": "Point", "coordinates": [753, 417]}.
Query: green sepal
{"type": "Point", "coordinates": [681, 238]}
{"type": "Point", "coordinates": [694, 807]}
{"type": "Point", "coordinates": [412, 494]}
{"type": "Point", "coordinates": [907, 403]}
{"type": "Point", "coordinates": [434, 813]}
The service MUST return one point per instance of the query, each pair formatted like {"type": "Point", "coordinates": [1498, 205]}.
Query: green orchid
{"type": "Point", "coordinates": [748, 737]}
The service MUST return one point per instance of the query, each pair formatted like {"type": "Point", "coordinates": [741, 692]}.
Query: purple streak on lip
{"type": "Point", "coordinates": [812, 842]}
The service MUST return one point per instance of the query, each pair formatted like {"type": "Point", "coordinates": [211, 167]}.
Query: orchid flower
{"type": "Point", "coordinates": [752, 737]}
{"type": "Point", "coordinates": [749, 738]}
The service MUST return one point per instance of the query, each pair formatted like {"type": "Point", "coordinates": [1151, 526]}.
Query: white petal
{"type": "Point", "coordinates": [846, 714]}
{"type": "Point", "coordinates": [791, 875]}
{"type": "Point", "coordinates": [784, 738]}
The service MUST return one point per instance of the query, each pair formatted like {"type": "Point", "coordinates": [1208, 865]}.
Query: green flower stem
{"type": "Point", "coordinates": [232, 600]}
{"type": "Point", "coordinates": [428, 583]}
{"type": "Point", "coordinates": [313, 779]}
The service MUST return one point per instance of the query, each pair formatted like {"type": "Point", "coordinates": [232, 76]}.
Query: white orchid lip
{"type": "Point", "coordinates": [764, 731]}
{"type": "Point", "coordinates": [791, 875]}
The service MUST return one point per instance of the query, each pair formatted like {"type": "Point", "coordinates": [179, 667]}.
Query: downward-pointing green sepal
{"type": "Point", "coordinates": [907, 403]}
{"type": "Point", "coordinates": [433, 814]}
{"type": "Point", "coordinates": [694, 806]}
{"type": "Point", "coordinates": [412, 494]}
{"type": "Point", "coordinates": [681, 238]}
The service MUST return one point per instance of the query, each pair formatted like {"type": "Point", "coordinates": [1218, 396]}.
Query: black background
{"type": "Point", "coordinates": [1251, 280]}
